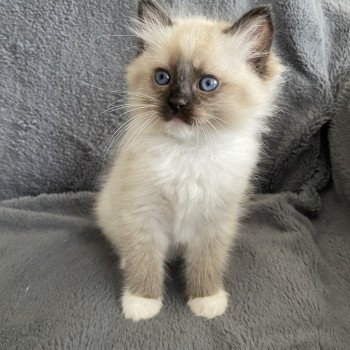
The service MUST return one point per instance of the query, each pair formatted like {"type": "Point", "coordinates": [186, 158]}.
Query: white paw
{"type": "Point", "coordinates": [210, 306]}
{"type": "Point", "coordinates": [138, 308]}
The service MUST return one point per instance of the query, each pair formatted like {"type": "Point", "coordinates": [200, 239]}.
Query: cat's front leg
{"type": "Point", "coordinates": [142, 250]}
{"type": "Point", "coordinates": [205, 259]}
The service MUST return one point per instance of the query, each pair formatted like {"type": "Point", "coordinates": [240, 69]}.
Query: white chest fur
{"type": "Point", "coordinates": [198, 182]}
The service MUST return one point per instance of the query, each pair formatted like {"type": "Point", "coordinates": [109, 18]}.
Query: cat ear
{"type": "Point", "coordinates": [257, 27]}
{"type": "Point", "coordinates": [150, 11]}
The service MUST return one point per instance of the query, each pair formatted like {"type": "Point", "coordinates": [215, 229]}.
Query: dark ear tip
{"type": "Point", "coordinates": [262, 12]}
{"type": "Point", "coordinates": [265, 11]}
{"type": "Point", "coordinates": [150, 10]}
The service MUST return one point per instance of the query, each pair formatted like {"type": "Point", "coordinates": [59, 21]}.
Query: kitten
{"type": "Point", "coordinates": [199, 91]}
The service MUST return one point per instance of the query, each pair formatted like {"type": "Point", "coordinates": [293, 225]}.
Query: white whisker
{"type": "Point", "coordinates": [138, 106]}
{"type": "Point", "coordinates": [98, 88]}
{"type": "Point", "coordinates": [120, 130]}
{"type": "Point", "coordinates": [131, 121]}
{"type": "Point", "coordinates": [209, 138]}
{"type": "Point", "coordinates": [121, 115]}
{"type": "Point", "coordinates": [123, 99]}
{"type": "Point", "coordinates": [131, 140]}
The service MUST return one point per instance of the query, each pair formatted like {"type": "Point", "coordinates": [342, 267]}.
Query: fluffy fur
{"type": "Point", "coordinates": [181, 182]}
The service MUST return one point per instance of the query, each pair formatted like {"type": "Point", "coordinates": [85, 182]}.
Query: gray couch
{"type": "Point", "coordinates": [289, 275]}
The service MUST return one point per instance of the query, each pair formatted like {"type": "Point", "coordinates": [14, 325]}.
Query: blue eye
{"type": "Point", "coordinates": [208, 84]}
{"type": "Point", "coordinates": [162, 77]}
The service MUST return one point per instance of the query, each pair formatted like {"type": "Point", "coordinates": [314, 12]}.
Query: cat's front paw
{"type": "Point", "coordinates": [138, 308]}
{"type": "Point", "coordinates": [210, 306]}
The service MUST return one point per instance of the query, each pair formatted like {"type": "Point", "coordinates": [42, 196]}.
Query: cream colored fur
{"type": "Point", "coordinates": [179, 185]}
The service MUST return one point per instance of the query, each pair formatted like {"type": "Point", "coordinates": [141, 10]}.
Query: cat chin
{"type": "Point", "coordinates": [178, 129]}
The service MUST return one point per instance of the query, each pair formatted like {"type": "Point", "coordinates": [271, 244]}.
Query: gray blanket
{"type": "Point", "coordinates": [289, 275]}
{"type": "Point", "coordinates": [288, 279]}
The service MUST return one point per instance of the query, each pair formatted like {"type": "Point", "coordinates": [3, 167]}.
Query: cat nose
{"type": "Point", "coordinates": [176, 105]}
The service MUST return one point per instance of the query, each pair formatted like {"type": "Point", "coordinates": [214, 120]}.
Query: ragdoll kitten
{"type": "Point", "coordinates": [199, 91]}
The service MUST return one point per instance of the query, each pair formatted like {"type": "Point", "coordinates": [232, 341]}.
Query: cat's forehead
{"type": "Point", "coordinates": [190, 43]}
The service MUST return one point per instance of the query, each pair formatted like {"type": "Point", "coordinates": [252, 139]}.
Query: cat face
{"type": "Point", "coordinates": [194, 73]}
